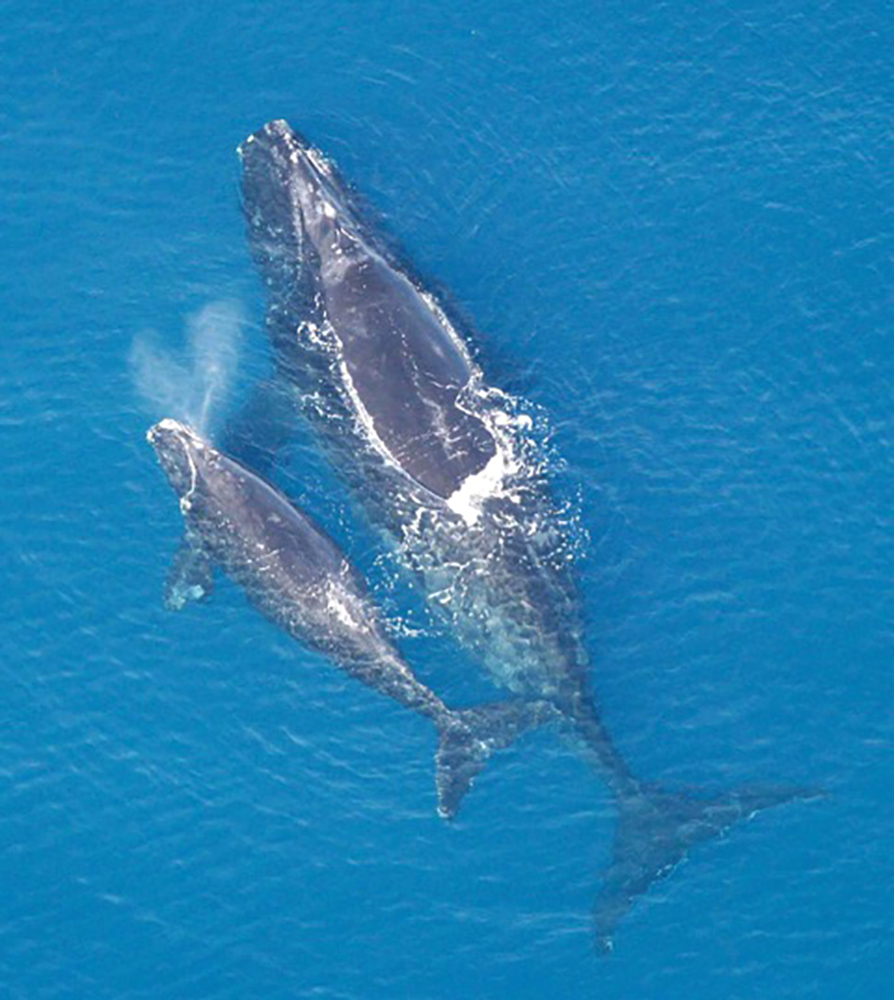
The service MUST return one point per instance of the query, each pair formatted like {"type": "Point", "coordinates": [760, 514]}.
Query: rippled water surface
{"type": "Point", "coordinates": [671, 228]}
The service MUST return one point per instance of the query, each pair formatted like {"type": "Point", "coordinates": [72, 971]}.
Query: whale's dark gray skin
{"type": "Point", "coordinates": [265, 426]}
{"type": "Point", "coordinates": [299, 579]}
{"type": "Point", "coordinates": [448, 468]}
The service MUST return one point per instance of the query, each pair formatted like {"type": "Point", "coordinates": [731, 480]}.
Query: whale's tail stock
{"type": "Point", "coordinates": [468, 738]}
{"type": "Point", "coordinates": [655, 831]}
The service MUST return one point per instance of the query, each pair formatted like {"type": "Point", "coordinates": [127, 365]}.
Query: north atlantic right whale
{"type": "Point", "coordinates": [446, 466]}
{"type": "Point", "coordinates": [300, 580]}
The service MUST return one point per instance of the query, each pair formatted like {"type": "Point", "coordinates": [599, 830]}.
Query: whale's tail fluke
{"type": "Point", "coordinates": [469, 736]}
{"type": "Point", "coordinates": [655, 831]}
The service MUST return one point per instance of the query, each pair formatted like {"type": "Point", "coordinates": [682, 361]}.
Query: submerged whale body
{"type": "Point", "coordinates": [447, 467]}
{"type": "Point", "coordinates": [299, 579]}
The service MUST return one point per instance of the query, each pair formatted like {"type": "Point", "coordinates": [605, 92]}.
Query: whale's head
{"type": "Point", "coordinates": [291, 193]}
{"type": "Point", "coordinates": [182, 454]}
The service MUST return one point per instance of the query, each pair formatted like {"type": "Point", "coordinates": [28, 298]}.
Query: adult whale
{"type": "Point", "coordinates": [446, 465]}
{"type": "Point", "coordinates": [299, 579]}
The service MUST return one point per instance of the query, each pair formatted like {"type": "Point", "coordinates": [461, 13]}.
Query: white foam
{"type": "Point", "coordinates": [468, 499]}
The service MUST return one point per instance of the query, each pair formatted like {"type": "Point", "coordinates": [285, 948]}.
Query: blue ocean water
{"type": "Point", "coordinates": [671, 228]}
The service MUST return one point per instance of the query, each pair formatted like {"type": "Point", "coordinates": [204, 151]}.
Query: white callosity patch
{"type": "Point", "coordinates": [169, 424]}
{"type": "Point", "coordinates": [188, 440]}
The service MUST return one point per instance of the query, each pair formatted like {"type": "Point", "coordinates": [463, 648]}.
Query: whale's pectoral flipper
{"type": "Point", "coordinates": [471, 735]}
{"type": "Point", "coordinates": [655, 831]}
{"type": "Point", "coordinates": [191, 576]}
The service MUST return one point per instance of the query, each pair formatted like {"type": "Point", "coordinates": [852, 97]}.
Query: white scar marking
{"type": "Point", "coordinates": [186, 499]}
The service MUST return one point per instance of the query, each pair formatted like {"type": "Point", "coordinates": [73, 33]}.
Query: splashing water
{"type": "Point", "coordinates": [190, 386]}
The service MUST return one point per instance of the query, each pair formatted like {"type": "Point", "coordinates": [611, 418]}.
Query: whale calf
{"type": "Point", "coordinates": [300, 580]}
{"type": "Point", "coordinates": [447, 467]}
